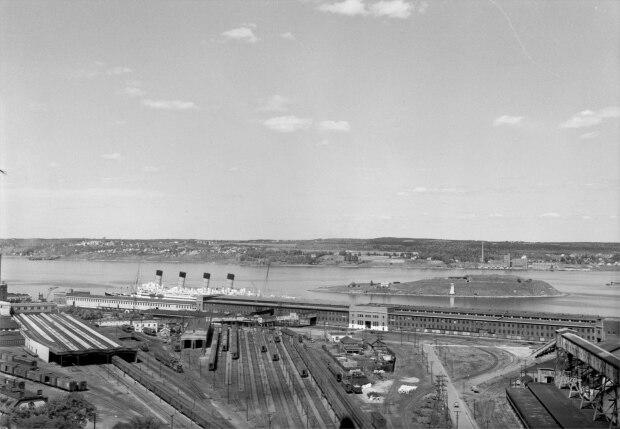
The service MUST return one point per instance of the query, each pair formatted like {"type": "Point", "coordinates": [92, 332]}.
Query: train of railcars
{"type": "Point", "coordinates": [225, 339]}
{"type": "Point", "coordinates": [48, 378]}
{"type": "Point", "coordinates": [215, 343]}
{"type": "Point", "coordinates": [234, 343]}
{"type": "Point", "coordinates": [335, 372]}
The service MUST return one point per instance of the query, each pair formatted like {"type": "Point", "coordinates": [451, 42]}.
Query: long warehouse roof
{"type": "Point", "coordinates": [62, 333]}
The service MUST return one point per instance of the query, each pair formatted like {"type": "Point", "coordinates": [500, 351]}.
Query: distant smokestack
{"type": "Point", "coordinates": [206, 279]}
{"type": "Point", "coordinates": [158, 276]}
{"type": "Point", "coordinates": [182, 275]}
{"type": "Point", "coordinates": [231, 280]}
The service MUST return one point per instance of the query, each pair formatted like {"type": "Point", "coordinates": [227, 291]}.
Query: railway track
{"type": "Point", "coordinates": [200, 413]}
{"type": "Point", "coordinates": [250, 378]}
{"type": "Point", "coordinates": [259, 371]}
{"type": "Point", "coordinates": [159, 409]}
{"type": "Point", "coordinates": [280, 390]}
{"type": "Point", "coordinates": [320, 417]}
{"type": "Point", "coordinates": [340, 403]}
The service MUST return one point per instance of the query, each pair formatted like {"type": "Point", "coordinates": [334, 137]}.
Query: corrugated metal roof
{"type": "Point", "coordinates": [63, 333]}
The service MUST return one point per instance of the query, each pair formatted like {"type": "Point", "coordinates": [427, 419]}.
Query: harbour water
{"type": "Point", "coordinates": [586, 291]}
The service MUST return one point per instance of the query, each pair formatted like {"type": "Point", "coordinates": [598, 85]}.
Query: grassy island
{"type": "Point", "coordinates": [464, 286]}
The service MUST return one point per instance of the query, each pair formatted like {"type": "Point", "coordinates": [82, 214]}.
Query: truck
{"type": "Point", "coordinates": [149, 331]}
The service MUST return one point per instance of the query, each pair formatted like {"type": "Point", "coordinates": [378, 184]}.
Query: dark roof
{"type": "Point", "coordinates": [529, 409]}
{"type": "Point", "coordinates": [7, 322]}
{"type": "Point", "coordinates": [349, 340]}
{"type": "Point", "coordinates": [559, 406]}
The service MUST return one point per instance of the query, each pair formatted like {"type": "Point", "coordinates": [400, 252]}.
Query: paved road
{"type": "Point", "coordinates": [465, 419]}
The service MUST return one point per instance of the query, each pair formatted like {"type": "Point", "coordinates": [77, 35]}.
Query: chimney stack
{"type": "Point", "coordinates": [158, 276]}
{"type": "Point", "coordinates": [206, 279]}
{"type": "Point", "coordinates": [182, 275]}
{"type": "Point", "coordinates": [230, 280]}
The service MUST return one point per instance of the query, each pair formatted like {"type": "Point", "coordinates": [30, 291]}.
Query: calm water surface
{"type": "Point", "coordinates": [587, 290]}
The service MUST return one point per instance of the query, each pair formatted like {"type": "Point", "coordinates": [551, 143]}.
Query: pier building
{"type": "Point", "coordinates": [514, 325]}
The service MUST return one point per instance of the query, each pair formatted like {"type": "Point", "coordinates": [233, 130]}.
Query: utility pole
{"type": "Point", "coordinates": [171, 421]}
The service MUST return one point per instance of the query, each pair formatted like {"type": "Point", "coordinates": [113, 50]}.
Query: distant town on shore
{"type": "Point", "coordinates": [376, 252]}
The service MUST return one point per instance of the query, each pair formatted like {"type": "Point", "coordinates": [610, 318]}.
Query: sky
{"type": "Point", "coordinates": [489, 120]}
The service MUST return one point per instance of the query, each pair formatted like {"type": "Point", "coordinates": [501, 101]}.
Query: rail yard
{"type": "Point", "coordinates": [256, 363]}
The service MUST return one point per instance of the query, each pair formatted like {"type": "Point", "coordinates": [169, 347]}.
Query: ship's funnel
{"type": "Point", "coordinates": [158, 276]}
{"type": "Point", "coordinates": [451, 288]}
{"type": "Point", "coordinates": [206, 279]}
{"type": "Point", "coordinates": [182, 275]}
{"type": "Point", "coordinates": [230, 280]}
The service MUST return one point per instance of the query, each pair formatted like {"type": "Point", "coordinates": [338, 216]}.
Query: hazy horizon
{"type": "Point", "coordinates": [479, 120]}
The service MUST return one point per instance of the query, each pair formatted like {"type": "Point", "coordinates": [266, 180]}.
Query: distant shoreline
{"type": "Point", "coordinates": [396, 294]}
{"type": "Point", "coordinates": [147, 259]}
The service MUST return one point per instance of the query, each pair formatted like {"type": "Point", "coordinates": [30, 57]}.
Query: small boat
{"type": "Point", "coordinates": [610, 284]}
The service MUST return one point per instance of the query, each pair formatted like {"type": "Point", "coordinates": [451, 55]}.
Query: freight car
{"type": "Point", "coordinates": [29, 373]}
{"type": "Point", "coordinates": [215, 342]}
{"type": "Point", "coordinates": [234, 343]}
{"type": "Point", "coordinates": [335, 371]}
{"type": "Point", "coordinates": [168, 360]}
{"type": "Point", "coordinates": [225, 339]}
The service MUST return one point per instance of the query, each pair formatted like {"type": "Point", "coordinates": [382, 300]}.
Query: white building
{"type": "Point", "coordinates": [370, 317]}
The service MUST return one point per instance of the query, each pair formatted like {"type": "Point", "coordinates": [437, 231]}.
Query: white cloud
{"type": "Point", "coordinates": [550, 215]}
{"type": "Point", "coordinates": [586, 217]}
{"type": "Point", "coordinates": [133, 91]}
{"type": "Point", "coordinates": [334, 126]}
{"type": "Point", "coordinates": [507, 120]}
{"type": "Point", "coordinates": [287, 124]}
{"type": "Point", "coordinates": [150, 169]}
{"type": "Point", "coordinates": [243, 34]}
{"type": "Point", "coordinates": [169, 104]}
{"type": "Point", "coordinates": [346, 7]}
{"type": "Point", "coordinates": [401, 9]}
{"type": "Point", "coordinates": [275, 103]}
{"type": "Point", "coordinates": [118, 71]}
{"type": "Point", "coordinates": [392, 9]}
{"type": "Point", "coordinates": [53, 164]}
{"type": "Point", "coordinates": [323, 142]}
{"type": "Point", "coordinates": [112, 156]}
{"type": "Point", "coordinates": [288, 36]}
{"type": "Point", "coordinates": [425, 190]}
{"type": "Point", "coordinates": [589, 118]}
{"type": "Point", "coordinates": [590, 135]}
